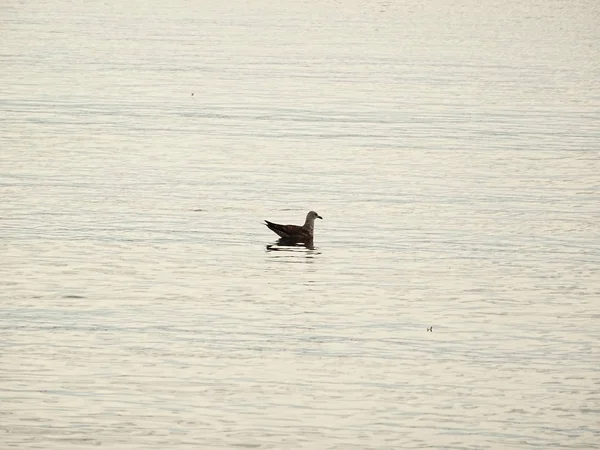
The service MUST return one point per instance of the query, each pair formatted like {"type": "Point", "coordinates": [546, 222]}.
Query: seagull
{"type": "Point", "coordinates": [297, 233]}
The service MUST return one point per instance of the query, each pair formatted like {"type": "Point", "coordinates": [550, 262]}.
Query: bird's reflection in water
{"type": "Point", "coordinates": [287, 245]}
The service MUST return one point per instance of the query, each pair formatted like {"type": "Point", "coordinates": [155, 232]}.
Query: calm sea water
{"type": "Point", "coordinates": [452, 148]}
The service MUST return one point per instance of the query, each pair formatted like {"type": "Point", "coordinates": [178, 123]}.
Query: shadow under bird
{"type": "Point", "coordinates": [296, 233]}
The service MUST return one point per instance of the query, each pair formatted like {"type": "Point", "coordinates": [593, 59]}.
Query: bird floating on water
{"type": "Point", "coordinates": [296, 233]}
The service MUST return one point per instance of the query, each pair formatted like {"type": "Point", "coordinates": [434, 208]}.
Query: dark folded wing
{"type": "Point", "coordinates": [286, 231]}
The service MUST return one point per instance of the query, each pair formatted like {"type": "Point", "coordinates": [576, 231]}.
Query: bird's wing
{"type": "Point", "coordinates": [286, 230]}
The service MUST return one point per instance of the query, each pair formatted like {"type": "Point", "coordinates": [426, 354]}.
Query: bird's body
{"type": "Point", "coordinates": [297, 233]}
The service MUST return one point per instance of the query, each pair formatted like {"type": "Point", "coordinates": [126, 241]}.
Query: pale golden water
{"type": "Point", "coordinates": [453, 150]}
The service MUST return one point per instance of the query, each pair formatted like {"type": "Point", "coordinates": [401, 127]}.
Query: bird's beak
{"type": "Point", "coordinates": [320, 217]}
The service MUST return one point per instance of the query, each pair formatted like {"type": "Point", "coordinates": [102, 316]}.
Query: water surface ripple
{"type": "Point", "coordinates": [453, 151]}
